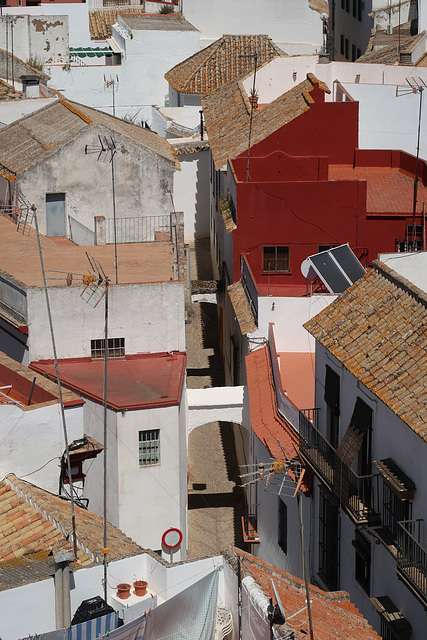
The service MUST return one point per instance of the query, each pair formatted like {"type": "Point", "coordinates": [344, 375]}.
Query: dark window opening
{"type": "Point", "coordinates": [116, 348]}
{"type": "Point", "coordinates": [353, 52]}
{"type": "Point", "coordinates": [394, 510]}
{"type": "Point", "coordinates": [275, 259]}
{"type": "Point", "coordinates": [347, 45]}
{"type": "Point", "coordinates": [362, 561]}
{"type": "Point", "coordinates": [342, 45]}
{"type": "Point", "coordinates": [329, 543]}
{"type": "Point", "coordinates": [332, 399]}
{"type": "Point", "coordinates": [283, 526]}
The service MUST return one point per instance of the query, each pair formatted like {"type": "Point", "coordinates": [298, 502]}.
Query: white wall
{"type": "Point", "coordinates": [158, 308]}
{"type": "Point", "coordinates": [393, 13]}
{"type": "Point", "coordinates": [290, 23]}
{"type": "Point", "coordinates": [12, 110]}
{"type": "Point", "coordinates": [29, 609]}
{"type": "Point", "coordinates": [78, 18]}
{"type": "Point", "coordinates": [149, 496]}
{"type": "Point", "coordinates": [289, 315]}
{"type": "Point", "coordinates": [411, 265]}
{"type": "Point", "coordinates": [44, 38]}
{"type": "Point", "coordinates": [191, 194]}
{"type": "Point", "coordinates": [33, 442]}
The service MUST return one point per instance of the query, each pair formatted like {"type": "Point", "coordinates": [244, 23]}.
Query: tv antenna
{"type": "Point", "coordinates": [96, 287]}
{"type": "Point", "coordinates": [416, 85]}
{"type": "Point", "coordinates": [252, 103]}
{"type": "Point", "coordinates": [112, 81]}
{"type": "Point", "coordinates": [106, 150]}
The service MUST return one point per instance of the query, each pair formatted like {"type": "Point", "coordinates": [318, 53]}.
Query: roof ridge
{"type": "Point", "coordinates": [400, 281]}
{"type": "Point", "coordinates": [77, 112]}
{"type": "Point", "coordinates": [19, 487]}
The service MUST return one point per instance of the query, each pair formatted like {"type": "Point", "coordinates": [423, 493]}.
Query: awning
{"type": "Point", "coordinates": [114, 46]}
{"type": "Point", "coordinates": [90, 52]}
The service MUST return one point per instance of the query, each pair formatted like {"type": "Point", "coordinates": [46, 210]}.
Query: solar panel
{"type": "Point", "coordinates": [338, 268]}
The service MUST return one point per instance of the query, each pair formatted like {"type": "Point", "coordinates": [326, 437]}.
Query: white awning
{"type": "Point", "coordinates": [114, 46]}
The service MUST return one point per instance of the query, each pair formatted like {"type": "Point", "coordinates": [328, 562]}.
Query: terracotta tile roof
{"type": "Point", "coordinates": [266, 421]}
{"type": "Point", "coordinates": [227, 215]}
{"type": "Point", "coordinates": [157, 22]}
{"type": "Point", "coordinates": [220, 63]}
{"type": "Point", "coordinates": [378, 330]}
{"type": "Point", "coordinates": [28, 140]}
{"type": "Point", "coordinates": [388, 190]}
{"type": "Point", "coordinates": [7, 92]}
{"type": "Point", "coordinates": [241, 308]}
{"type": "Point", "coordinates": [101, 21]}
{"type": "Point", "coordinates": [321, 6]}
{"type": "Point", "coordinates": [383, 48]}
{"type": "Point", "coordinates": [193, 146]}
{"type": "Point", "coordinates": [334, 616]}
{"type": "Point", "coordinates": [33, 520]}
{"type": "Point", "coordinates": [227, 116]}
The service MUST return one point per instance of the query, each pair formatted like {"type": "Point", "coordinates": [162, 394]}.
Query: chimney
{"type": "Point", "coordinates": [30, 86]}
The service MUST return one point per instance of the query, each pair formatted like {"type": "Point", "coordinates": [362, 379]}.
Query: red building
{"type": "Point", "coordinates": [306, 185]}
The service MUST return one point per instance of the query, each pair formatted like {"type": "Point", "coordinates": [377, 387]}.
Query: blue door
{"type": "Point", "coordinates": [55, 215]}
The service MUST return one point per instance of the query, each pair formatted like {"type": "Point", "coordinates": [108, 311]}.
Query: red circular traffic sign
{"type": "Point", "coordinates": [172, 538]}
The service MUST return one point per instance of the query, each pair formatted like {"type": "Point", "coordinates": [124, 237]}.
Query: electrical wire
{"type": "Point", "coordinates": [26, 475]}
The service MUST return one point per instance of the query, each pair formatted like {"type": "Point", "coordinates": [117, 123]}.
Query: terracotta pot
{"type": "Point", "coordinates": [123, 590]}
{"type": "Point", "coordinates": [140, 587]}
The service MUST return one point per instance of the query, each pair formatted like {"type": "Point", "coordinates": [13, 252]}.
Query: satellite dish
{"type": "Point", "coordinates": [307, 270]}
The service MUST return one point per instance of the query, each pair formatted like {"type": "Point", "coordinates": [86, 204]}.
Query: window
{"type": "Point", "coordinates": [149, 448]}
{"type": "Point", "coordinates": [275, 259]}
{"type": "Point", "coordinates": [362, 570]}
{"type": "Point", "coordinates": [329, 525]}
{"type": "Point", "coordinates": [342, 45]}
{"type": "Point", "coordinates": [116, 348]}
{"type": "Point", "coordinates": [394, 510]}
{"type": "Point", "coordinates": [353, 52]}
{"type": "Point", "coordinates": [359, 53]}
{"type": "Point", "coordinates": [326, 247]}
{"type": "Point", "coordinates": [332, 399]}
{"type": "Point", "coordinates": [355, 8]}
{"type": "Point", "coordinates": [283, 526]}
{"type": "Point", "coordinates": [359, 10]}
{"type": "Point", "coordinates": [396, 492]}
{"type": "Point", "coordinates": [347, 45]}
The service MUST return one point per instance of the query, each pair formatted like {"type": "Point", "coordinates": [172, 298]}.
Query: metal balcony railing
{"type": "Point", "coordinates": [357, 494]}
{"type": "Point", "coordinates": [412, 557]}
{"type": "Point", "coordinates": [141, 229]}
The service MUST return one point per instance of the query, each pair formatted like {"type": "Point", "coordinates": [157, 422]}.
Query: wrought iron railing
{"type": "Point", "coordinates": [79, 234]}
{"type": "Point", "coordinates": [411, 556]}
{"type": "Point", "coordinates": [357, 494]}
{"type": "Point", "coordinates": [250, 289]}
{"type": "Point", "coordinates": [140, 229]}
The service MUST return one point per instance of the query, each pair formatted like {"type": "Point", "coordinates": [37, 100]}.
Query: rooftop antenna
{"type": "Point", "coordinates": [252, 102]}
{"type": "Point", "coordinates": [111, 81]}
{"type": "Point", "coordinates": [58, 380]}
{"type": "Point", "coordinates": [416, 85]}
{"type": "Point", "coordinates": [96, 287]}
{"type": "Point", "coordinates": [106, 150]}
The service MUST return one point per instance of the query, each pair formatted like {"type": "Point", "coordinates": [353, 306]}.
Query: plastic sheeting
{"type": "Point", "coordinates": [190, 615]}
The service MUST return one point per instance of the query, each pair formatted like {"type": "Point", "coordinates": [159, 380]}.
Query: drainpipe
{"type": "Point", "coordinates": [66, 594]}
{"type": "Point", "coordinates": [59, 609]}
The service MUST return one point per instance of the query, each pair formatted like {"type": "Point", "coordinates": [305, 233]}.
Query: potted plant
{"type": "Point", "coordinates": [253, 98]}
{"type": "Point", "coordinates": [140, 587]}
{"type": "Point", "coordinates": [123, 590]}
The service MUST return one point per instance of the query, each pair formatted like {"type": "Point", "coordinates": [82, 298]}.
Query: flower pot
{"type": "Point", "coordinates": [123, 590]}
{"type": "Point", "coordinates": [140, 587]}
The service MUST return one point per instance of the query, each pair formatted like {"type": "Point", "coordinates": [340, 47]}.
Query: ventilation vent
{"type": "Point", "coordinates": [405, 57]}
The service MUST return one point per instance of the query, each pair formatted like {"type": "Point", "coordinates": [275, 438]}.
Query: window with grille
{"type": "Point", "coordinates": [394, 510]}
{"type": "Point", "coordinates": [329, 529]}
{"type": "Point", "coordinates": [149, 448]}
{"type": "Point", "coordinates": [275, 259]}
{"type": "Point", "coordinates": [362, 561]}
{"type": "Point", "coordinates": [116, 348]}
{"type": "Point", "coordinates": [283, 526]}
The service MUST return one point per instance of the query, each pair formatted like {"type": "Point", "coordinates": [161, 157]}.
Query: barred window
{"type": "Point", "coordinates": [275, 259]}
{"type": "Point", "coordinates": [116, 348]}
{"type": "Point", "coordinates": [149, 448]}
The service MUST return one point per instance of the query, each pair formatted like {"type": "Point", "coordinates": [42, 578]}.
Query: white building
{"type": "Point", "coordinates": [40, 39]}
{"type": "Point", "coordinates": [74, 149]}
{"type": "Point", "coordinates": [366, 445]}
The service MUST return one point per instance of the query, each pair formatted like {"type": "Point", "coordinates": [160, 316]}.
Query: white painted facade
{"type": "Point", "coordinates": [142, 501]}
{"type": "Point", "coordinates": [350, 24]}
{"type": "Point", "coordinates": [191, 193]}
{"type": "Point", "coordinates": [41, 38]}
{"type": "Point", "coordinates": [153, 321]}
{"type": "Point", "coordinates": [391, 438]}
{"type": "Point", "coordinates": [291, 24]}
{"type": "Point", "coordinates": [11, 110]}
{"type": "Point", "coordinates": [146, 56]}
{"type": "Point", "coordinates": [393, 12]}
{"type": "Point", "coordinates": [77, 13]}
{"type": "Point", "coordinates": [223, 404]}
{"type": "Point", "coordinates": [33, 441]}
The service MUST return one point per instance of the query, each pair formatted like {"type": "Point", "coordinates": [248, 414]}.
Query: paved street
{"type": "Point", "coordinates": [215, 502]}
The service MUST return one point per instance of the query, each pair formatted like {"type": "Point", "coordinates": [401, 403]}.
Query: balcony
{"type": "Point", "coordinates": [249, 524]}
{"type": "Point", "coordinates": [355, 493]}
{"type": "Point", "coordinates": [412, 559]}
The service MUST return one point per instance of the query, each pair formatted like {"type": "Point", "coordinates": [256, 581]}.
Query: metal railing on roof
{"type": "Point", "coordinates": [141, 229]}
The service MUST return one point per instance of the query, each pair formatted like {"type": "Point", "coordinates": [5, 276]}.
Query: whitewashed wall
{"type": "Point", "coordinates": [78, 18]}
{"type": "Point", "coordinates": [42, 37]}
{"type": "Point", "coordinates": [290, 23]}
{"type": "Point", "coordinates": [191, 194]}
{"type": "Point", "coordinates": [288, 315]}
{"type": "Point", "coordinates": [34, 438]}
{"type": "Point", "coordinates": [158, 308]}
